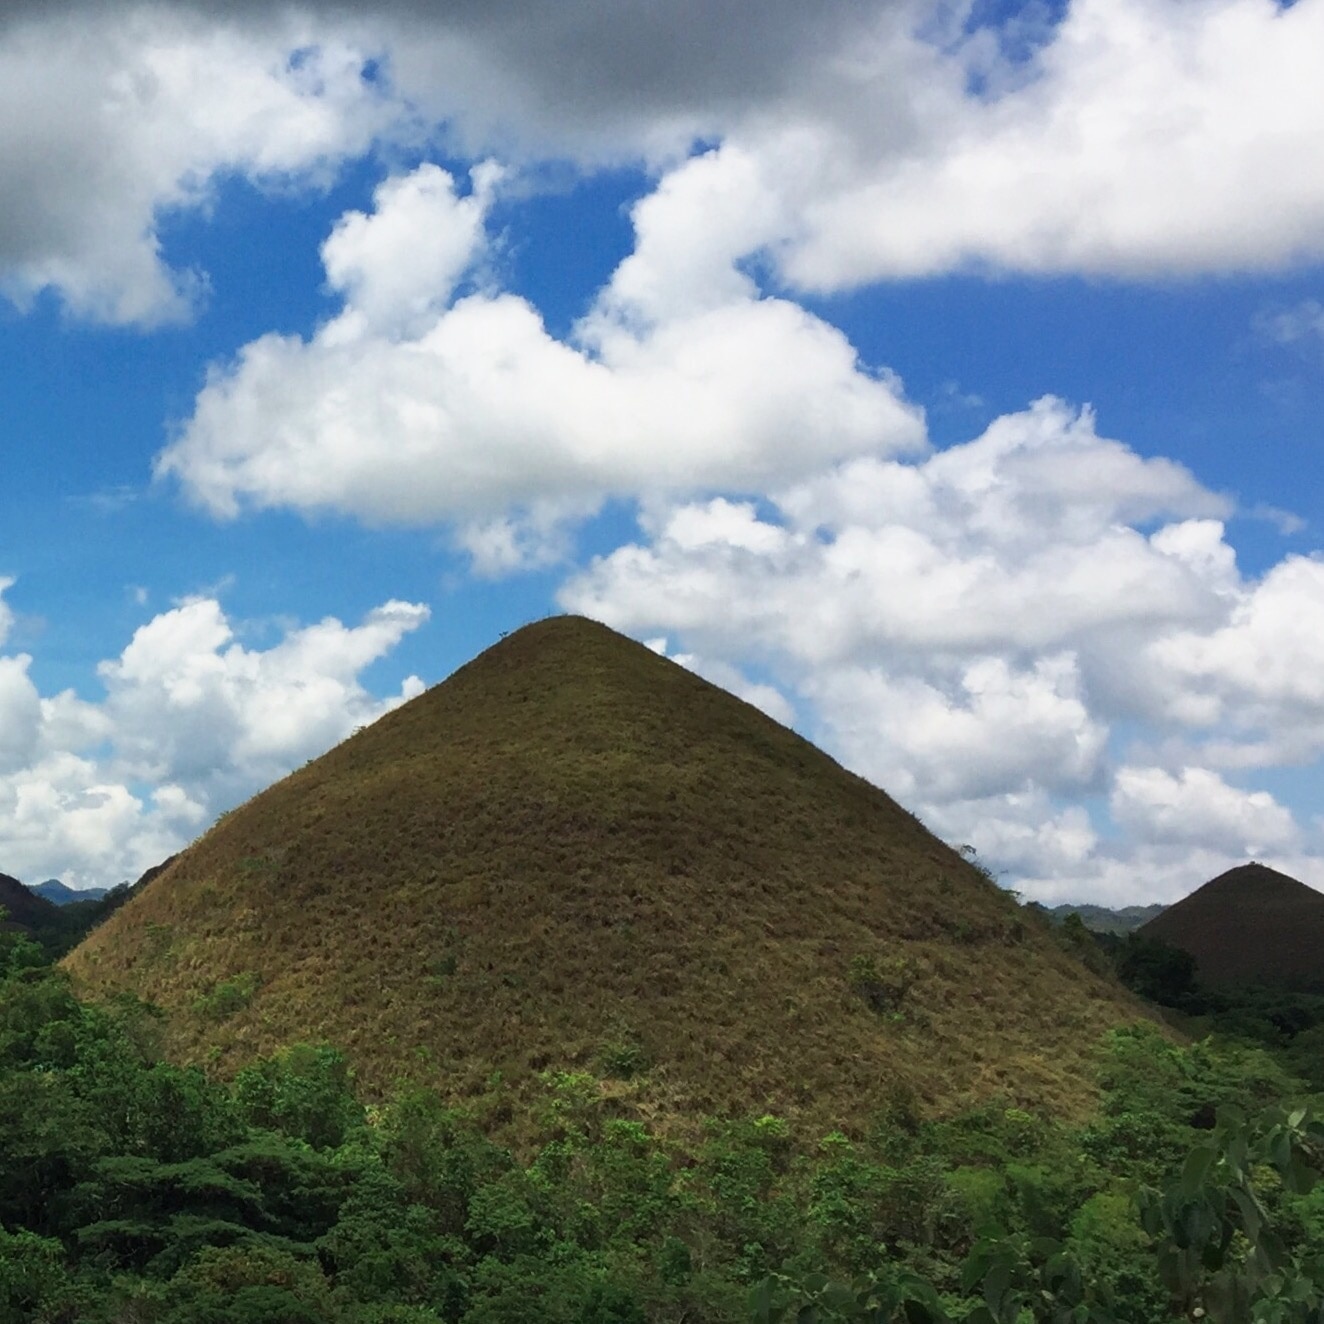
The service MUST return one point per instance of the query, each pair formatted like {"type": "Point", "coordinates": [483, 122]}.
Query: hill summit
{"type": "Point", "coordinates": [1250, 925]}
{"type": "Point", "coordinates": [62, 895]}
{"type": "Point", "coordinates": [575, 854]}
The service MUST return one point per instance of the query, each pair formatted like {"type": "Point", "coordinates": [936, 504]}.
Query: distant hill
{"type": "Point", "coordinates": [1251, 924]}
{"type": "Point", "coordinates": [55, 891]}
{"type": "Point", "coordinates": [23, 908]}
{"type": "Point", "coordinates": [574, 854]}
{"type": "Point", "coordinates": [60, 917]}
{"type": "Point", "coordinates": [1102, 919]}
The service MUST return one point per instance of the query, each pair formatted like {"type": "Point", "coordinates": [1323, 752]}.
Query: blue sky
{"type": "Point", "coordinates": [944, 381]}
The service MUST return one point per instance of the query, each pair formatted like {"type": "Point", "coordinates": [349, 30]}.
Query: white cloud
{"type": "Point", "coordinates": [20, 713]}
{"type": "Point", "coordinates": [1142, 139]}
{"type": "Point", "coordinates": [192, 722]}
{"type": "Point", "coordinates": [412, 406]}
{"type": "Point", "coordinates": [1196, 807]}
{"type": "Point", "coordinates": [1023, 835]}
{"type": "Point", "coordinates": [524, 538]}
{"type": "Point", "coordinates": [1303, 321]}
{"type": "Point", "coordinates": [1038, 640]}
{"type": "Point", "coordinates": [1139, 138]}
{"type": "Point", "coordinates": [987, 730]}
{"type": "Point", "coordinates": [191, 706]}
{"type": "Point", "coordinates": [62, 819]}
{"type": "Point", "coordinates": [1258, 675]}
{"type": "Point", "coordinates": [1132, 137]}
{"type": "Point", "coordinates": [1298, 327]}
{"type": "Point", "coordinates": [1016, 541]}
{"type": "Point", "coordinates": [399, 267]}
{"type": "Point", "coordinates": [6, 612]}
{"type": "Point", "coordinates": [111, 118]}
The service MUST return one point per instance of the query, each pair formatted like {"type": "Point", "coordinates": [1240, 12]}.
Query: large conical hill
{"type": "Point", "coordinates": [1250, 925]}
{"type": "Point", "coordinates": [575, 854]}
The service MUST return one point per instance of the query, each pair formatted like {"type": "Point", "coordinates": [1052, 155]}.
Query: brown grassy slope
{"type": "Point", "coordinates": [23, 908]}
{"type": "Point", "coordinates": [1249, 925]}
{"type": "Point", "coordinates": [573, 844]}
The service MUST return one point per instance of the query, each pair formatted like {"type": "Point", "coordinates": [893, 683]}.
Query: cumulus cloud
{"type": "Point", "coordinates": [398, 268]}
{"type": "Point", "coordinates": [63, 818]}
{"type": "Point", "coordinates": [192, 722]}
{"type": "Point", "coordinates": [1016, 541]}
{"type": "Point", "coordinates": [1196, 807]}
{"type": "Point", "coordinates": [1127, 137]}
{"type": "Point", "coordinates": [431, 398]}
{"type": "Point", "coordinates": [1001, 634]}
{"type": "Point", "coordinates": [893, 139]}
{"type": "Point", "coordinates": [856, 143]}
{"type": "Point", "coordinates": [1257, 675]}
{"type": "Point", "coordinates": [20, 713]}
{"type": "Point", "coordinates": [1138, 140]}
{"type": "Point", "coordinates": [581, 76]}
{"type": "Point", "coordinates": [111, 118]}
{"type": "Point", "coordinates": [191, 706]}
{"type": "Point", "coordinates": [987, 729]}
{"type": "Point", "coordinates": [1027, 839]}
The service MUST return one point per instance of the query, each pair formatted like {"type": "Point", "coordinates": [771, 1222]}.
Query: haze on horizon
{"type": "Point", "coordinates": [944, 380]}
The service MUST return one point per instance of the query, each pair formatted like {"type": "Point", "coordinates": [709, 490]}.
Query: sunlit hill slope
{"type": "Point", "coordinates": [574, 854]}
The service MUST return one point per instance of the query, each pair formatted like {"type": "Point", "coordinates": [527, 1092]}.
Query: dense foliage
{"type": "Point", "coordinates": [133, 1190]}
{"type": "Point", "coordinates": [58, 929]}
{"type": "Point", "coordinates": [1289, 1022]}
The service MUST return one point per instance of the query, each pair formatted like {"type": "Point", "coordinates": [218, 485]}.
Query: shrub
{"type": "Point", "coordinates": [228, 997]}
{"type": "Point", "coordinates": [883, 984]}
{"type": "Point", "coordinates": [623, 1057]}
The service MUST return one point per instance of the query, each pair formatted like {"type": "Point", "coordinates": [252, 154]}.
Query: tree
{"type": "Point", "coordinates": [1159, 972]}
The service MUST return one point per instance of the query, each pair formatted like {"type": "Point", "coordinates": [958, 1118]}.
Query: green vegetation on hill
{"type": "Point", "coordinates": [1283, 1020]}
{"type": "Point", "coordinates": [1103, 919]}
{"type": "Point", "coordinates": [56, 928]}
{"type": "Point", "coordinates": [133, 1190]}
{"type": "Point", "coordinates": [651, 1012]}
{"type": "Point", "coordinates": [575, 855]}
{"type": "Point", "coordinates": [23, 909]}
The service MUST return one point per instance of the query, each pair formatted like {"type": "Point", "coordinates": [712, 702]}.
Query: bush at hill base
{"type": "Point", "coordinates": [134, 1190]}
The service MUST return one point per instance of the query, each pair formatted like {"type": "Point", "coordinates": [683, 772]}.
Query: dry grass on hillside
{"type": "Point", "coordinates": [576, 855]}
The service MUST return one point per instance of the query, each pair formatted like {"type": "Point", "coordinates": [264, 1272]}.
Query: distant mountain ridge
{"type": "Point", "coordinates": [1251, 924]}
{"type": "Point", "coordinates": [576, 855]}
{"type": "Point", "coordinates": [1105, 919]}
{"type": "Point", "coordinates": [62, 895]}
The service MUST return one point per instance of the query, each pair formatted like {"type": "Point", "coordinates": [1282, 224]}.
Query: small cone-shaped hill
{"type": "Point", "coordinates": [575, 854]}
{"type": "Point", "coordinates": [1250, 925]}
